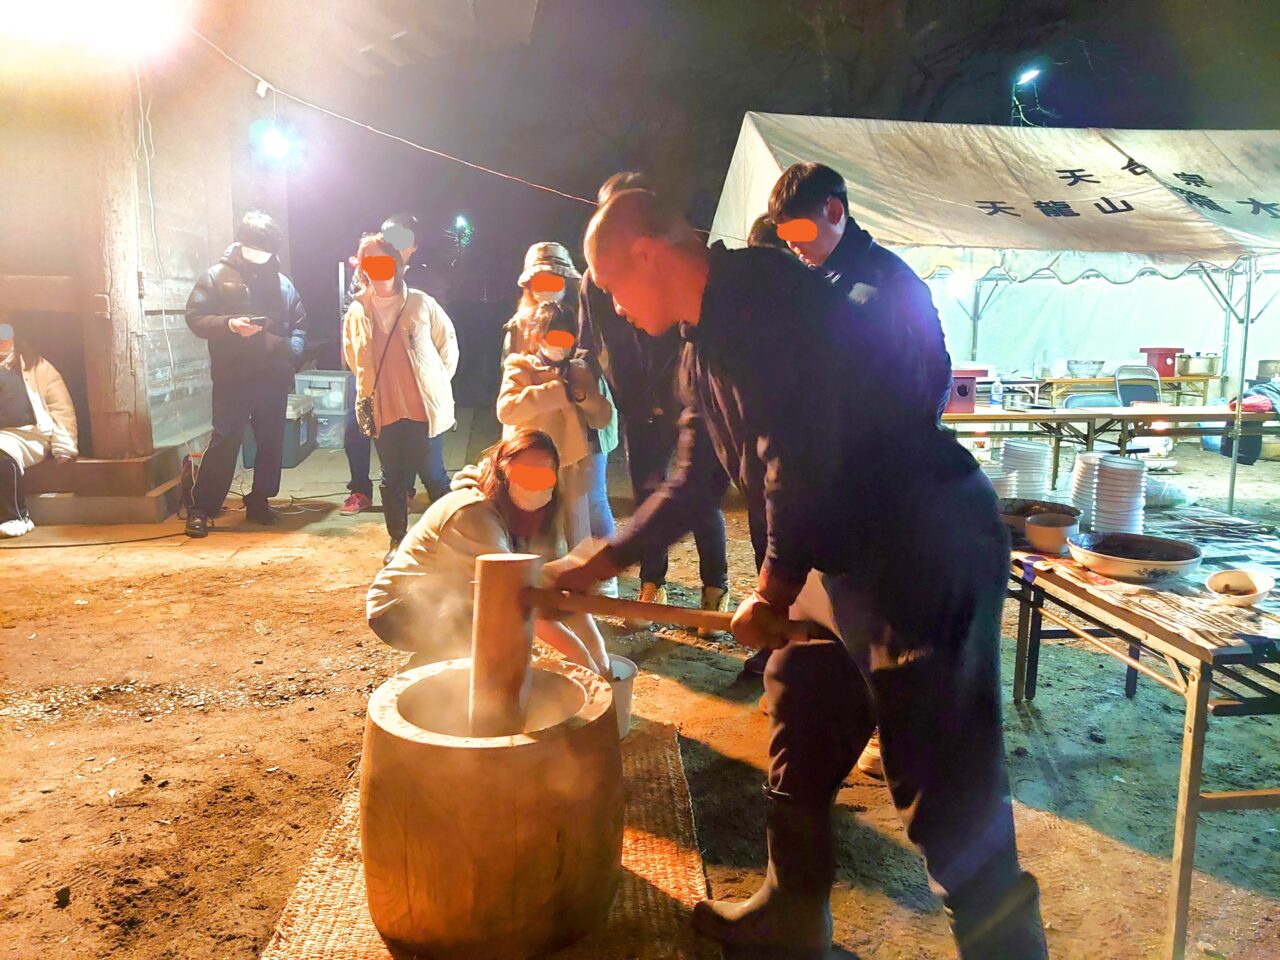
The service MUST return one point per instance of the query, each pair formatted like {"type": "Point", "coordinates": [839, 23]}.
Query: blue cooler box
{"type": "Point", "coordinates": [299, 434]}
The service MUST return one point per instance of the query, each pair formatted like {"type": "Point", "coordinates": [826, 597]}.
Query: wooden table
{"type": "Point", "coordinates": [1056, 389]}
{"type": "Point", "coordinates": [1086, 425]}
{"type": "Point", "coordinates": [1232, 670]}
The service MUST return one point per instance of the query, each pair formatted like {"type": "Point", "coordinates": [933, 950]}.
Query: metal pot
{"type": "Point", "coordinates": [1268, 369]}
{"type": "Point", "coordinates": [1198, 365]}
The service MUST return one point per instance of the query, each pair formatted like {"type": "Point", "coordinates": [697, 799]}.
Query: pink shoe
{"type": "Point", "coordinates": [356, 503]}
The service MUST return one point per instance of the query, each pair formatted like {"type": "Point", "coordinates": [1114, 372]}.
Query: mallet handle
{"type": "Point", "coordinates": [627, 609]}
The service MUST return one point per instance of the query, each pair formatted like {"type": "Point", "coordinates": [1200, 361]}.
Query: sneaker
{"type": "Point", "coordinates": [18, 527]}
{"type": "Point", "coordinates": [198, 524]}
{"type": "Point", "coordinates": [717, 599]}
{"type": "Point", "coordinates": [608, 588]}
{"type": "Point", "coordinates": [870, 763]}
{"type": "Point", "coordinates": [649, 593]}
{"type": "Point", "coordinates": [260, 512]}
{"type": "Point", "coordinates": [356, 503]}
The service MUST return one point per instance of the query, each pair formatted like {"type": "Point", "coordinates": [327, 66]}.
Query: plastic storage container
{"type": "Point", "coordinates": [299, 434]}
{"type": "Point", "coordinates": [331, 390]}
{"type": "Point", "coordinates": [331, 430]}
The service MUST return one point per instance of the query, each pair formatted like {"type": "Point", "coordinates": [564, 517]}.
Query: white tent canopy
{"type": "Point", "coordinates": [1018, 201]}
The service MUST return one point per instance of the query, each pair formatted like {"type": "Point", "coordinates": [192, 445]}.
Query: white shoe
{"type": "Point", "coordinates": [16, 528]}
{"type": "Point", "coordinates": [870, 762]}
{"type": "Point", "coordinates": [608, 588]}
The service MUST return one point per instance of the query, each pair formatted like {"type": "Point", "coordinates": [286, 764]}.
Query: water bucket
{"type": "Point", "coordinates": [622, 676]}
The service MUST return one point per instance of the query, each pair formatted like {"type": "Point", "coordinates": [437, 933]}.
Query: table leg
{"type": "Point", "coordinates": [1057, 452]}
{"type": "Point", "coordinates": [1130, 674]}
{"type": "Point", "coordinates": [1188, 810]}
{"type": "Point", "coordinates": [1033, 647]}
{"type": "Point", "coordinates": [1023, 638]}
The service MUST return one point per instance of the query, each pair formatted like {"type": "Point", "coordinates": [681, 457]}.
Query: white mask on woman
{"type": "Point", "coordinates": [555, 354]}
{"type": "Point", "coordinates": [526, 499]}
{"type": "Point", "coordinates": [254, 255]}
{"type": "Point", "coordinates": [549, 296]}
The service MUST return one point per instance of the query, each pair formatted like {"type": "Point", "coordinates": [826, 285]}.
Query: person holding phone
{"type": "Point", "coordinates": [403, 350]}
{"type": "Point", "coordinates": [253, 319]}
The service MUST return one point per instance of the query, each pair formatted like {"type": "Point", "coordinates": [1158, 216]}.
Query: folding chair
{"type": "Point", "coordinates": [1138, 384]}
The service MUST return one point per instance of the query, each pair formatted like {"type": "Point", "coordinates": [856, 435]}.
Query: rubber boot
{"type": "Point", "coordinates": [791, 912]}
{"type": "Point", "coordinates": [1007, 927]}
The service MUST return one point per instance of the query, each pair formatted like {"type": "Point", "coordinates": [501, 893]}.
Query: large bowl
{"type": "Point", "coordinates": [1085, 368]}
{"type": "Point", "coordinates": [1134, 557]}
{"type": "Point", "coordinates": [1014, 512]}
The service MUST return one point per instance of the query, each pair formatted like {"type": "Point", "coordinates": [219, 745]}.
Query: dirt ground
{"type": "Point", "coordinates": [179, 718]}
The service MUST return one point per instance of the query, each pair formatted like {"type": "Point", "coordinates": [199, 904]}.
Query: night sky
{"type": "Point", "coordinates": [662, 85]}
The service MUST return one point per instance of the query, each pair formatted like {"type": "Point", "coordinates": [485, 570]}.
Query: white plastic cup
{"type": "Point", "coordinates": [622, 677]}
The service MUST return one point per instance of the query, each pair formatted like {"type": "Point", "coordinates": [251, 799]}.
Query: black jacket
{"type": "Point", "coordinates": [797, 389]}
{"type": "Point", "coordinates": [641, 371]}
{"type": "Point", "coordinates": [890, 294]}
{"type": "Point", "coordinates": [233, 287]}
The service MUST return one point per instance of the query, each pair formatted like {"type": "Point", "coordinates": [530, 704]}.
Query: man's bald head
{"type": "Point", "coordinates": [641, 251]}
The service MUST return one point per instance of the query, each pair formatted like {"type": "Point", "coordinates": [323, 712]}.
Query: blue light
{"type": "Point", "coordinates": [1027, 76]}
{"type": "Point", "coordinates": [275, 144]}
{"type": "Point", "coordinates": [460, 222]}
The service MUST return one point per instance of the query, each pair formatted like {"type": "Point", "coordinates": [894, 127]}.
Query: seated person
{"type": "Point", "coordinates": [37, 421]}
{"type": "Point", "coordinates": [423, 600]}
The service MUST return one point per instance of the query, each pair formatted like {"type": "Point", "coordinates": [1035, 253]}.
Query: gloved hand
{"type": "Point", "coordinates": [364, 416]}
{"type": "Point", "coordinates": [588, 564]}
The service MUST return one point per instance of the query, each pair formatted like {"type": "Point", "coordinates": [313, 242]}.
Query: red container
{"type": "Point", "coordinates": [1163, 359]}
{"type": "Point", "coordinates": [963, 390]}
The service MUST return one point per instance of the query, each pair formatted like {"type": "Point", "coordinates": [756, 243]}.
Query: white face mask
{"type": "Point", "coordinates": [556, 354]}
{"type": "Point", "coordinates": [546, 296]}
{"type": "Point", "coordinates": [254, 255]}
{"type": "Point", "coordinates": [528, 500]}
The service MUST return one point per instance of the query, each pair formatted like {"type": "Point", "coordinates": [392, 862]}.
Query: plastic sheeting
{"type": "Point", "coordinates": [1022, 200]}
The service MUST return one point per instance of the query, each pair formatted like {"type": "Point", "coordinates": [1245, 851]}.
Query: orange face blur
{"type": "Point", "coordinates": [378, 267]}
{"type": "Point", "coordinates": [532, 470]}
{"type": "Point", "coordinates": [559, 338]}
{"type": "Point", "coordinates": [799, 230]}
{"type": "Point", "coordinates": [546, 282]}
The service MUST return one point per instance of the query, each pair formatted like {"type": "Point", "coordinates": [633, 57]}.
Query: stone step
{"type": "Point", "coordinates": [60, 508]}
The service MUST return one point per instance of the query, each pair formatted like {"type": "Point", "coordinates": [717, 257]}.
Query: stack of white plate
{"type": "Point", "coordinates": [1033, 462]}
{"type": "Point", "coordinates": [1084, 483]}
{"type": "Point", "coordinates": [1003, 479]}
{"type": "Point", "coordinates": [1121, 495]}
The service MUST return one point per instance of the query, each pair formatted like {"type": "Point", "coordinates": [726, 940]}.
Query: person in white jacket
{"type": "Point", "coordinates": [547, 388]}
{"type": "Point", "coordinates": [423, 601]}
{"type": "Point", "coordinates": [37, 420]}
{"type": "Point", "coordinates": [403, 350]}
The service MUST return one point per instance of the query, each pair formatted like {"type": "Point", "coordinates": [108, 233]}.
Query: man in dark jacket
{"type": "Point", "coordinates": [641, 373]}
{"type": "Point", "coordinates": [874, 513]}
{"type": "Point", "coordinates": [253, 319]}
{"type": "Point", "coordinates": [813, 201]}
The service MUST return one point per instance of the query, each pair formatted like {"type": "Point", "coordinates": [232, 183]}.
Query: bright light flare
{"type": "Point", "coordinates": [460, 222]}
{"type": "Point", "coordinates": [115, 29]}
{"type": "Point", "coordinates": [275, 145]}
{"type": "Point", "coordinates": [959, 286]}
{"type": "Point", "coordinates": [1027, 76]}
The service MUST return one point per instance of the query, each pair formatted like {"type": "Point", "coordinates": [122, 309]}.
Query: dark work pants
{"type": "Point", "coordinates": [402, 448]}
{"type": "Point", "coordinates": [650, 446]}
{"type": "Point", "coordinates": [938, 711]}
{"type": "Point", "coordinates": [13, 505]}
{"type": "Point", "coordinates": [235, 406]}
{"type": "Point", "coordinates": [358, 448]}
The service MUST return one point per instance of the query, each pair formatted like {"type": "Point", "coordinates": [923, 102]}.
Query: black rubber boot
{"type": "Point", "coordinates": [791, 912]}
{"type": "Point", "coordinates": [1008, 927]}
{"type": "Point", "coordinates": [395, 511]}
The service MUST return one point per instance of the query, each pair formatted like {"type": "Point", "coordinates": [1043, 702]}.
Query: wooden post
{"type": "Point", "coordinates": [1188, 809]}
{"type": "Point", "coordinates": [114, 327]}
{"type": "Point", "coordinates": [501, 644]}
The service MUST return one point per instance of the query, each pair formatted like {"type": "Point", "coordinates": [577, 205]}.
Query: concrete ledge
{"type": "Point", "coordinates": [133, 477]}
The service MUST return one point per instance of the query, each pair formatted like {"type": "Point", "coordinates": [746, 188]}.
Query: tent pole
{"type": "Point", "coordinates": [974, 316]}
{"type": "Point", "coordinates": [1226, 326]}
{"type": "Point", "coordinates": [1244, 355]}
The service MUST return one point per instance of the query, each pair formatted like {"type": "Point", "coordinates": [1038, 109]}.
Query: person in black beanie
{"type": "Point", "coordinates": [253, 318]}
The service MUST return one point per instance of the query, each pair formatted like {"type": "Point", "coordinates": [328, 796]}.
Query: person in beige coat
{"type": "Point", "coordinates": [37, 421]}
{"type": "Point", "coordinates": [403, 350]}
{"type": "Point", "coordinates": [547, 388]}
{"type": "Point", "coordinates": [423, 601]}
